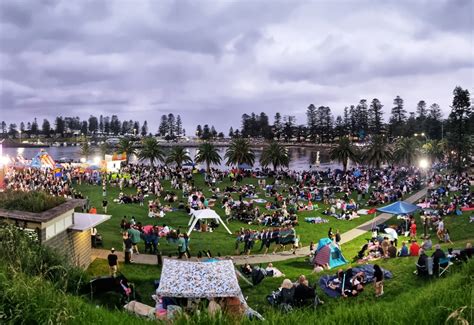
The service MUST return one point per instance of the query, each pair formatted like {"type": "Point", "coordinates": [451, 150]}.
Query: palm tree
{"type": "Point", "coordinates": [85, 149]}
{"type": "Point", "coordinates": [276, 155]}
{"type": "Point", "coordinates": [104, 149]}
{"type": "Point", "coordinates": [126, 146]}
{"type": "Point", "coordinates": [377, 152]}
{"type": "Point", "coordinates": [435, 149]}
{"type": "Point", "coordinates": [406, 151]}
{"type": "Point", "coordinates": [151, 151]}
{"type": "Point", "coordinates": [208, 153]}
{"type": "Point", "coordinates": [179, 156]}
{"type": "Point", "coordinates": [343, 152]}
{"type": "Point", "coordinates": [239, 152]}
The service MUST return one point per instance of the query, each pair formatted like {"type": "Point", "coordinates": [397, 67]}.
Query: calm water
{"type": "Point", "coordinates": [301, 158]}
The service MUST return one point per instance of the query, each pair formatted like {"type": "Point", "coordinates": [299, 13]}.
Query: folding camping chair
{"type": "Point", "coordinates": [424, 270]}
{"type": "Point", "coordinates": [444, 265]}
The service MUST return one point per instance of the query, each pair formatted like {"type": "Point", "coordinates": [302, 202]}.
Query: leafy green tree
{"type": "Point", "coordinates": [460, 128]}
{"type": "Point", "coordinates": [209, 154]}
{"type": "Point", "coordinates": [377, 152]}
{"type": "Point", "coordinates": [126, 146]}
{"type": "Point", "coordinates": [275, 155]}
{"type": "Point", "coordinates": [277, 126]}
{"type": "Point", "coordinates": [343, 152]}
{"type": "Point", "coordinates": [46, 128]}
{"type": "Point", "coordinates": [178, 155]}
{"type": "Point", "coordinates": [150, 151]}
{"type": "Point", "coordinates": [312, 121]}
{"type": "Point", "coordinates": [406, 151]}
{"type": "Point", "coordinates": [435, 149]}
{"type": "Point", "coordinates": [434, 124]}
{"type": "Point", "coordinates": [144, 130]}
{"type": "Point", "coordinates": [398, 117]}
{"type": "Point", "coordinates": [375, 117]}
{"type": "Point", "coordinates": [239, 152]}
{"type": "Point", "coordinates": [104, 149]}
{"type": "Point", "coordinates": [86, 150]}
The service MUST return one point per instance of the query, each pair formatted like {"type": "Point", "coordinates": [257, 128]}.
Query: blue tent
{"type": "Point", "coordinates": [329, 253]}
{"type": "Point", "coordinates": [399, 207]}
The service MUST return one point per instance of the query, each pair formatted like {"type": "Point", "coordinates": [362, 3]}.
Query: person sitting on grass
{"type": "Point", "coordinates": [404, 250]}
{"type": "Point", "coordinates": [273, 271]}
{"type": "Point", "coordinates": [414, 248]}
{"type": "Point", "coordinates": [392, 250]}
{"type": "Point", "coordinates": [287, 291]}
{"type": "Point", "coordinates": [305, 295]}
{"type": "Point", "coordinates": [427, 244]}
{"type": "Point", "coordinates": [447, 238]}
{"type": "Point", "coordinates": [437, 256]}
{"type": "Point", "coordinates": [353, 285]}
{"type": "Point", "coordinates": [378, 280]}
{"type": "Point", "coordinates": [336, 284]}
{"type": "Point", "coordinates": [422, 264]}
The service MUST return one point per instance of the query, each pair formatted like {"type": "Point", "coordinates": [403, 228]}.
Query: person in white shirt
{"type": "Point", "coordinates": [440, 230]}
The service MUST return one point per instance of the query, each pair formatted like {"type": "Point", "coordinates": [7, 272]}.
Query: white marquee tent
{"type": "Point", "coordinates": [205, 214]}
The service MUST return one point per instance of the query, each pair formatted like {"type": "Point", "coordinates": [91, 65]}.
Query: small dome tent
{"type": "Point", "coordinates": [329, 253]}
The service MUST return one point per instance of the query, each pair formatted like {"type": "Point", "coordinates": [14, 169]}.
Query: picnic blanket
{"type": "Point", "coordinates": [316, 220]}
{"type": "Point", "coordinates": [368, 269]}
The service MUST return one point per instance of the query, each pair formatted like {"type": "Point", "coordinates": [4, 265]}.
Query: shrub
{"type": "Point", "coordinates": [22, 254]}
{"type": "Point", "coordinates": [29, 201]}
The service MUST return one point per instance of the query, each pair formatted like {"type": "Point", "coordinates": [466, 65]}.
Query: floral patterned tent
{"type": "Point", "coordinates": [198, 279]}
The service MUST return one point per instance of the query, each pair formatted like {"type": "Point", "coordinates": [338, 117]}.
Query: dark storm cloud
{"type": "Point", "coordinates": [212, 61]}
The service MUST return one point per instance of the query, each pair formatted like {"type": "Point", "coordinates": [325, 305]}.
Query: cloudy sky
{"type": "Point", "coordinates": [212, 61]}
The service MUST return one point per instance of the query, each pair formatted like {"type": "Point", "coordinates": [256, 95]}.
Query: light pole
{"type": "Point", "coordinates": [20, 136]}
{"type": "Point", "coordinates": [424, 164]}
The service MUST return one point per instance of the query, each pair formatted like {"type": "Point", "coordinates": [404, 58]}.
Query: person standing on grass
{"type": "Point", "coordinates": [127, 248]}
{"type": "Point", "coordinates": [186, 243]}
{"type": "Point", "coordinates": [181, 246]}
{"type": "Point", "coordinates": [135, 237]}
{"type": "Point", "coordinates": [93, 236]}
{"type": "Point", "coordinates": [104, 205]}
{"type": "Point", "coordinates": [378, 280]}
{"type": "Point", "coordinates": [413, 229]}
{"type": "Point", "coordinates": [113, 265]}
{"type": "Point", "coordinates": [338, 237]}
{"type": "Point", "coordinates": [330, 233]}
{"type": "Point", "coordinates": [440, 230]}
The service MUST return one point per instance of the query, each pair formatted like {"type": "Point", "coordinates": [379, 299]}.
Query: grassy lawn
{"type": "Point", "coordinates": [401, 289]}
{"type": "Point", "coordinates": [219, 241]}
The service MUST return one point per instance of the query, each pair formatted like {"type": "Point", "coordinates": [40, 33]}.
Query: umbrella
{"type": "Point", "coordinates": [391, 232]}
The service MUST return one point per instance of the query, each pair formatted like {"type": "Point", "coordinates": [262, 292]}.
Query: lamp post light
{"type": "Point", "coordinates": [20, 135]}
{"type": "Point", "coordinates": [424, 164]}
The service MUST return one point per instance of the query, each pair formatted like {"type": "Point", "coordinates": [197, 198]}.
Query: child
{"type": "Point", "coordinates": [378, 280]}
{"type": "Point", "coordinates": [447, 239]}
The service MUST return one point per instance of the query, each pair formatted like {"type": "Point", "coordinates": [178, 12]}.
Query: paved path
{"type": "Point", "coordinates": [263, 259]}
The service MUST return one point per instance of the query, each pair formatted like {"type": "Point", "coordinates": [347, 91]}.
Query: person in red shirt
{"type": "Point", "coordinates": [413, 229]}
{"type": "Point", "coordinates": [414, 248]}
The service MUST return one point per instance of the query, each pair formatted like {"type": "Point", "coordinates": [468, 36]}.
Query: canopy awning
{"type": "Point", "coordinates": [86, 221]}
{"type": "Point", "coordinates": [399, 207]}
{"type": "Point", "coordinates": [205, 214]}
{"type": "Point", "coordinates": [198, 279]}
